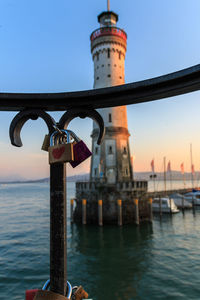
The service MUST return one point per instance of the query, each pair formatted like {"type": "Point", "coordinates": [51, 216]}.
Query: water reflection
{"type": "Point", "coordinates": [110, 261]}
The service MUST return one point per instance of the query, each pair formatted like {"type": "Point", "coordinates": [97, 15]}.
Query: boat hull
{"type": "Point", "coordinates": [164, 205]}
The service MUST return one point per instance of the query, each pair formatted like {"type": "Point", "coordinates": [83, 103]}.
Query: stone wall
{"type": "Point", "coordinates": [109, 195]}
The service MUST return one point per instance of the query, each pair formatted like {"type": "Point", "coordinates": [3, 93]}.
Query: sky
{"type": "Point", "coordinates": [45, 47]}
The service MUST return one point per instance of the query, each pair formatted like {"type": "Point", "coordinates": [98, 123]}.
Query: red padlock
{"type": "Point", "coordinates": [30, 294]}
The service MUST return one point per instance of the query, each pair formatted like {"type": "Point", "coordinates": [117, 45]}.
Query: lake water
{"type": "Point", "coordinates": [161, 261]}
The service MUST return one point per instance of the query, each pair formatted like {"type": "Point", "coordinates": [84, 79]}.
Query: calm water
{"type": "Point", "coordinates": [161, 261]}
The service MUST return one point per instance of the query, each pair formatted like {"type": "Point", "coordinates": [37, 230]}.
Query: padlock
{"type": "Point", "coordinates": [80, 294]}
{"type": "Point", "coordinates": [45, 294]}
{"type": "Point", "coordinates": [81, 151]}
{"type": "Point", "coordinates": [46, 286]}
{"type": "Point", "coordinates": [60, 149]}
{"type": "Point", "coordinates": [46, 143]}
{"type": "Point", "coordinates": [30, 294]}
{"type": "Point", "coordinates": [48, 295]}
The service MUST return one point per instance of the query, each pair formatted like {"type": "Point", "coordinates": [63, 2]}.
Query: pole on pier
{"type": "Point", "coordinates": [182, 203]}
{"type": "Point", "coordinates": [58, 242]}
{"type": "Point", "coordinates": [192, 167]}
{"type": "Point", "coordinates": [192, 201]}
{"type": "Point", "coordinates": [170, 204]}
{"type": "Point", "coordinates": [165, 185]}
{"type": "Point", "coordinates": [193, 205]}
{"type": "Point", "coordinates": [72, 210]}
{"type": "Point", "coordinates": [119, 204]}
{"type": "Point", "coordinates": [100, 212]}
{"type": "Point", "coordinates": [136, 210]}
{"type": "Point", "coordinates": [170, 174]}
{"type": "Point", "coordinates": [84, 211]}
{"type": "Point", "coordinates": [150, 210]}
{"type": "Point", "coordinates": [160, 206]}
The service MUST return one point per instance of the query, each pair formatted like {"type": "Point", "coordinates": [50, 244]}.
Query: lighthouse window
{"type": "Point", "coordinates": [97, 78]}
{"type": "Point", "coordinates": [125, 151]}
{"type": "Point", "coordinates": [97, 56]}
{"type": "Point", "coordinates": [120, 77]}
{"type": "Point", "coordinates": [102, 66]}
{"type": "Point", "coordinates": [119, 55]}
{"type": "Point", "coordinates": [109, 118]}
{"type": "Point", "coordinates": [126, 171]}
{"type": "Point", "coordinates": [108, 53]}
{"type": "Point", "coordinates": [110, 151]}
{"type": "Point", "coordinates": [96, 150]}
{"type": "Point", "coordinates": [109, 75]}
{"type": "Point", "coordinates": [95, 171]}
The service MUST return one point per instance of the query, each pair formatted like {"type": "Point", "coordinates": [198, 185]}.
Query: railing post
{"type": "Point", "coordinates": [58, 253]}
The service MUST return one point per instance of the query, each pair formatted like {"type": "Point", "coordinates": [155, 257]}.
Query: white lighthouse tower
{"type": "Point", "coordinates": [111, 161]}
{"type": "Point", "coordinates": [111, 175]}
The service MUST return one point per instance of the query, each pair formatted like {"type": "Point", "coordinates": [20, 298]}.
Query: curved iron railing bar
{"type": "Point", "coordinates": [173, 84]}
{"type": "Point", "coordinates": [82, 113]}
{"type": "Point", "coordinates": [21, 118]}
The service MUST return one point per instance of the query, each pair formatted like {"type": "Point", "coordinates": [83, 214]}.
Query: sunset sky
{"type": "Point", "coordinates": [45, 47]}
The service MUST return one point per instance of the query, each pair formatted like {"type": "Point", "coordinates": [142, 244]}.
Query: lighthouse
{"type": "Point", "coordinates": [111, 195]}
{"type": "Point", "coordinates": [111, 162]}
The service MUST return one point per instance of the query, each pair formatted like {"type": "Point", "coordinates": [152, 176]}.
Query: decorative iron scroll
{"type": "Point", "coordinates": [33, 114]}
{"type": "Point", "coordinates": [177, 83]}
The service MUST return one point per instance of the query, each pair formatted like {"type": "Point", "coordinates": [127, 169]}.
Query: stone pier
{"type": "Point", "coordinates": [110, 194]}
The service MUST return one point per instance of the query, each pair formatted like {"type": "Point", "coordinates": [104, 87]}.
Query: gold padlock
{"type": "Point", "coordinates": [63, 151]}
{"type": "Point", "coordinates": [46, 143]}
{"type": "Point", "coordinates": [80, 293]}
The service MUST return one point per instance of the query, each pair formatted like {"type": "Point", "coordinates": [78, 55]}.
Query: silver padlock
{"type": "Point", "coordinates": [60, 150]}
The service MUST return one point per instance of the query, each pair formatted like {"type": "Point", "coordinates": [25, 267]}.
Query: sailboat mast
{"type": "Point", "coordinates": [165, 174]}
{"type": "Point", "coordinates": [191, 159]}
{"type": "Point", "coordinates": [170, 174]}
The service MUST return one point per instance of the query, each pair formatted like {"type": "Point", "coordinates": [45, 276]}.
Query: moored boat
{"type": "Point", "coordinates": [180, 201]}
{"type": "Point", "coordinates": [165, 205]}
{"type": "Point", "coordinates": [193, 197]}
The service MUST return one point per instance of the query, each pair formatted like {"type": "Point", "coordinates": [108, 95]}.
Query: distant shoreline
{"type": "Point", "coordinates": [176, 176]}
